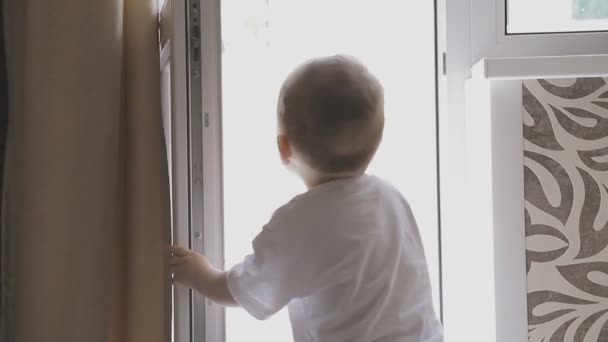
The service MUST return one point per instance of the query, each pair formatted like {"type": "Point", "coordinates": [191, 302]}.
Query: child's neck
{"type": "Point", "coordinates": [311, 183]}
{"type": "Point", "coordinates": [315, 180]}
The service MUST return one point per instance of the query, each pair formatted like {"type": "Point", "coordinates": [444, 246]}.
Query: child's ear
{"type": "Point", "coordinates": [284, 148]}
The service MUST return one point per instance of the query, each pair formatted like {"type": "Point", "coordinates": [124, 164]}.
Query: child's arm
{"type": "Point", "coordinates": [195, 271]}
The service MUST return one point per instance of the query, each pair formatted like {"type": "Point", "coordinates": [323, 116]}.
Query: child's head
{"type": "Point", "coordinates": [330, 117]}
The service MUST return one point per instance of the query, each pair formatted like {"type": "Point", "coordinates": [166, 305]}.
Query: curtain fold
{"type": "Point", "coordinates": [3, 129]}
{"type": "Point", "coordinates": [86, 195]}
{"type": "Point", "coordinates": [147, 180]}
{"type": "Point", "coordinates": [3, 98]}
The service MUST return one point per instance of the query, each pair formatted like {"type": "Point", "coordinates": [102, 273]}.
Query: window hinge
{"type": "Point", "coordinates": [445, 63]}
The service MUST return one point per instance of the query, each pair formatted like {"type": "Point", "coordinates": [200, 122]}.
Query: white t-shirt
{"type": "Point", "coordinates": [347, 259]}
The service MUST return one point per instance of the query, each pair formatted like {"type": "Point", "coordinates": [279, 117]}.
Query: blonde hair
{"type": "Point", "coordinates": [332, 111]}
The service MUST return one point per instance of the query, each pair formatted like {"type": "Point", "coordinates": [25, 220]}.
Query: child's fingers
{"type": "Point", "coordinates": [175, 270]}
{"type": "Point", "coordinates": [176, 250]}
{"type": "Point", "coordinates": [177, 275]}
{"type": "Point", "coordinates": [176, 260]}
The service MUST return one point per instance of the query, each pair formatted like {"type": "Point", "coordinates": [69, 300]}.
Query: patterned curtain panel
{"type": "Point", "coordinates": [566, 208]}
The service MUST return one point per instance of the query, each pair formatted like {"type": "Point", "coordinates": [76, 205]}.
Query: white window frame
{"type": "Point", "coordinates": [194, 56]}
{"type": "Point", "coordinates": [489, 37]}
{"type": "Point", "coordinates": [473, 32]}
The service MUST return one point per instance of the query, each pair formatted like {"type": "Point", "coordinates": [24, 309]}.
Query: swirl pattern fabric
{"type": "Point", "coordinates": [565, 128]}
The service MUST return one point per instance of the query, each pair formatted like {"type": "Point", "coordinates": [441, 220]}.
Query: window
{"type": "Point", "coordinates": [472, 31]}
{"type": "Point", "coordinates": [262, 41]}
{"type": "Point", "coordinates": [546, 16]}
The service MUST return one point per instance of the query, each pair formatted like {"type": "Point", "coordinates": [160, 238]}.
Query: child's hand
{"type": "Point", "coordinates": [189, 268]}
{"type": "Point", "coordinates": [196, 272]}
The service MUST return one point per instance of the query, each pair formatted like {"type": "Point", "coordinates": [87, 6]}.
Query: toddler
{"type": "Point", "coordinates": [345, 257]}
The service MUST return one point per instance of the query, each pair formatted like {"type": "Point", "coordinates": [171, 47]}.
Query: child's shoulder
{"type": "Point", "coordinates": [385, 185]}
{"type": "Point", "coordinates": [291, 210]}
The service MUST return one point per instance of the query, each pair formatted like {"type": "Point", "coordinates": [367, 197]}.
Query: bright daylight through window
{"type": "Point", "coordinates": [262, 41]}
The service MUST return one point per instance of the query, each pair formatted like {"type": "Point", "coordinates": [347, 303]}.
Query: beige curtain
{"type": "Point", "coordinates": [86, 197]}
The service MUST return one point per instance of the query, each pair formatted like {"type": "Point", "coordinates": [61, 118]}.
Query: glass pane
{"type": "Point", "coordinates": [543, 16]}
{"type": "Point", "coordinates": [262, 41]}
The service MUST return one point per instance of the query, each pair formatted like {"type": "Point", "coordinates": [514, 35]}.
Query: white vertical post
{"type": "Point", "coordinates": [196, 156]}
{"type": "Point", "coordinates": [180, 159]}
{"type": "Point", "coordinates": [211, 144]}
{"type": "Point", "coordinates": [507, 160]}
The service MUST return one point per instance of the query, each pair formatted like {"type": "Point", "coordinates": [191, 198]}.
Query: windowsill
{"type": "Point", "coordinates": [521, 68]}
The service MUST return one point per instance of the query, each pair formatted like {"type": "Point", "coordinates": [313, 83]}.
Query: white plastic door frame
{"type": "Point", "coordinates": [211, 152]}
{"type": "Point", "coordinates": [173, 57]}
{"type": "Point", "coordinates": [194, 57]}
{"type": "Point", "coordinates": [195, 61]}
